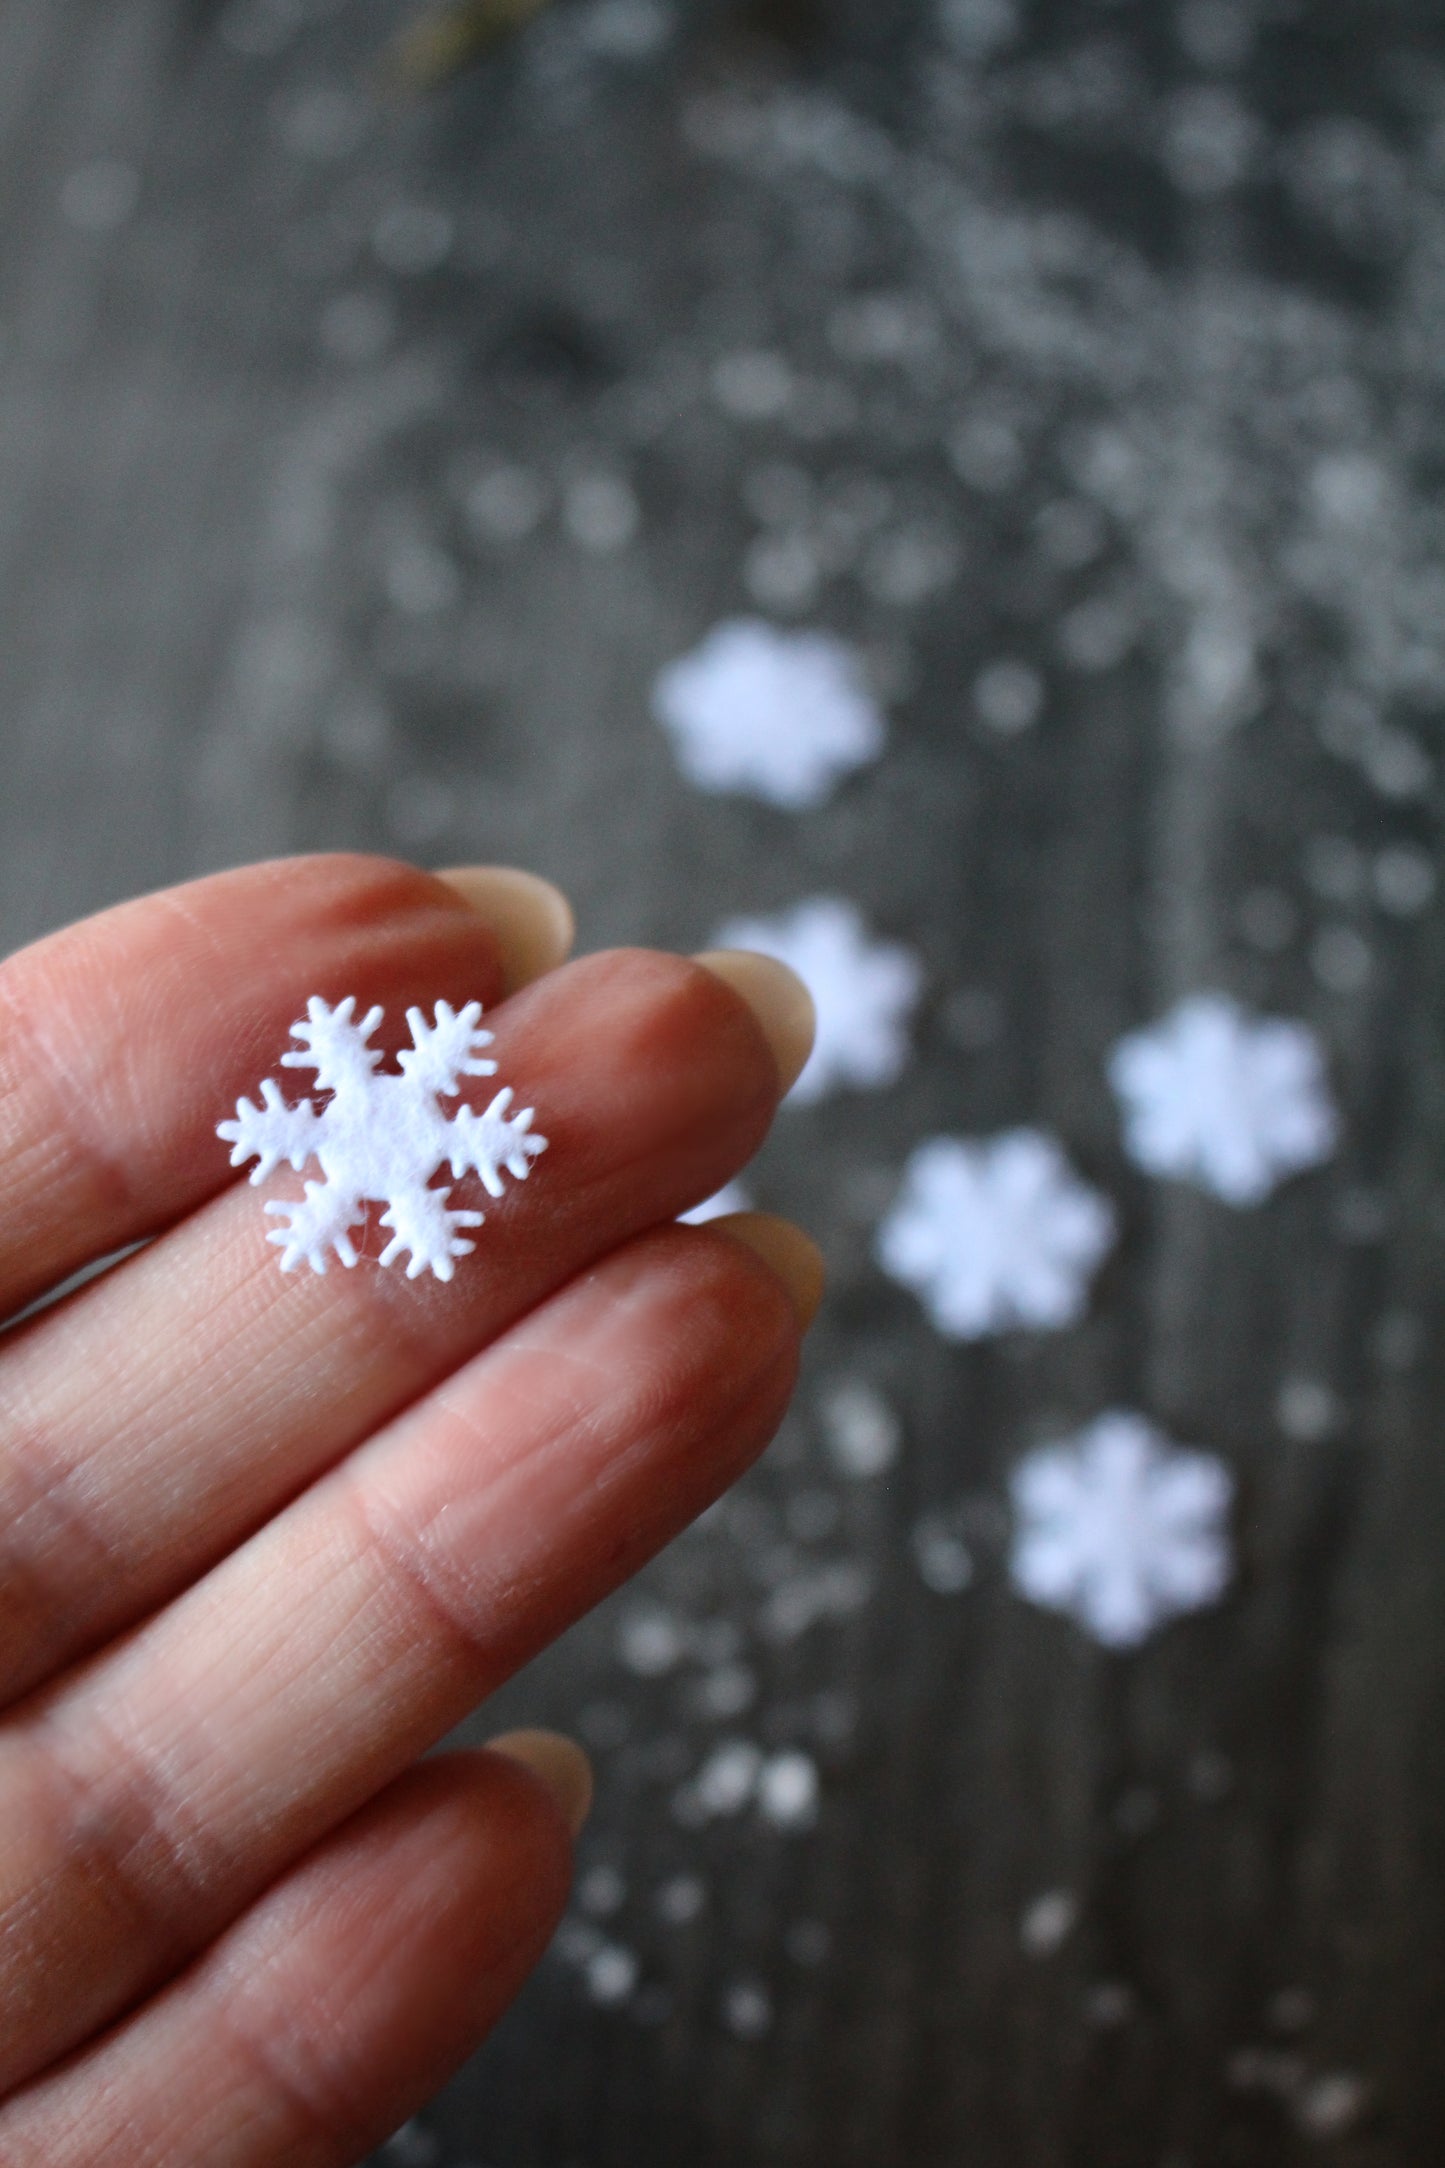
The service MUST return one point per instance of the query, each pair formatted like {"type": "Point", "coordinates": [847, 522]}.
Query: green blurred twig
{"type": "Point", "coordinates": [448, 37]}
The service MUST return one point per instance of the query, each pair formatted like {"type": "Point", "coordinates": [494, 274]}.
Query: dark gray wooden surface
{"type": "Point", "coordinates": [1151, 401]}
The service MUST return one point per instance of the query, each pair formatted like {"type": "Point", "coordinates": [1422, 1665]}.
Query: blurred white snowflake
{"type": "Point", "coordinates": [1121, 1529]}
{"type": "Point", "coordinates": [732, 1197]}
{"type": "Point", "coordinates": [780, 715]}
{"type": "Point", "coordinates": [994, 1233]}
{"type": "Point", "coordinates": [863, 991]}
{"type": "Point", "coordinates": [1216, 1098]}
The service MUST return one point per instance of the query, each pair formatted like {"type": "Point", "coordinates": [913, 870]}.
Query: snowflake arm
{"type": "Point", "coordinates": [321, 1222]}
{"type": "Point", "coordinates": [441, 1054]}
{"type": "Point", "coordinates": [487, 1143]}
{"type": "Point", "coordinates": [422, 1225]}
{"type": "Point", "coordinates": [334, 1045]}
{"type": "Point", "coordinates": [271, 1132]}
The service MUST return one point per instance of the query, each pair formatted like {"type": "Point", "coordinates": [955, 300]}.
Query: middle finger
{"type": "Point", "coordinates": [174, 1406]}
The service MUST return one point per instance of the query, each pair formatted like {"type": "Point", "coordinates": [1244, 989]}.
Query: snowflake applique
{"type": "Point", "coordinates": [1231, 1103]}
{"type": "Point", "coordinates": [995, 1232]}
{"type": "Point", "coordinates": [863, 991]}
{"type": "Point", "coordinates": [781, 715]}
{"type": "Point", "coordinates": [382, 1137]}
{"type": "Point", "coordinates": [1121, 1529]}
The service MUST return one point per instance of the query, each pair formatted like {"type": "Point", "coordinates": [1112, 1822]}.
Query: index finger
{"type": "Point", "coordinates": [106, 1136]}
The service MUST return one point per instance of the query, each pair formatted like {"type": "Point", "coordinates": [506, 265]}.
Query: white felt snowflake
{"type": "Point", "coordinates": [1222, 1100]}
{"type": "Point", "coordinates": [382, 1137]}
{"type": "Point", "coordinates": [781, 715]}
{"type": "Point", "coordinates": [863, 991]}
{"type": "Point", "coordinates": [994, 1233]}
{"type": "Point", "coordinates": [1121, 1529]}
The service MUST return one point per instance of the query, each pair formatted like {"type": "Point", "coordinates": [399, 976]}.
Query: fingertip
{"type": "Point", "coordinates": [561, 1765]}
{"type": "Point", "coordinates": [532, 920]}
{"type": "Point", "coordinates": [792, 1255]}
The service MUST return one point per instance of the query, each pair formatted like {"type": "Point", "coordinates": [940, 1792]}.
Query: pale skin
{"type": "Point", "coordinates": [266, 1538]}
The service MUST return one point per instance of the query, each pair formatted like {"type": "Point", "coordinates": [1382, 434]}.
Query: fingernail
{"type": "Point", "coordinates": [559, 1762]}
{"type": "Point", "coordinates": [778, 999]}
{"type": "Point", "coordinates": [794, 1256]}
{"type": "Point", "coordinates": [531, 919]}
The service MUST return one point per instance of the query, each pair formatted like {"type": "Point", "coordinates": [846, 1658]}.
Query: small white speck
{"type": "Point", "coordinates": [808, 1942]}
{"type": "Point", "coordinates": [1396, 1341]}
{"type": "Point", "coordinates": [611, 1974]}
{"type": "Point", "coordinates": [1096, 635]}
{"type": "Point", "coordinates": [1210, 141]}
{"type": "Point", "coordinates": [1404, 880]}
{"type": "Point", "coordinates": [788, 1790]}
{"type": "Point", "coordinates": [833, 1591]}
{"type": "Point", "coordinates": [507, 504]}
{"type": "Point", "coordinates": [600, 513]}
{"type": "Point", "coordinates": [1108, 2005]}
{"type": "Point", "coordinates": [601, 1891]}
{"type": "Point", "coordinates": [725, 1692]}
{"type": "Point", "coordinates": [909, 565]}
{"type": "Point", "coordinates": [782, 572]}
{"type": "Point", "coordinates": [728, 1778]}
{"type": "Point", "coordinates": [747, 2009]}
{"type": "Point", "coordinates": [862, 1433]}
{"type": "Point", "coordinates": [1341, 960]}
{"type": "Point", "coordinates": [1329, 2106]}
{"type": "Point", "coordinates": [1291, 2010]}
{"type": "Point", "coordinates": [1396, 765]}
{"type": "Point", "coordinates": [753, 386]}
{"type": "Point", "coordinates": [943, 1559]}
{"type": "Point", "coordinates": [100, 197]}
{"type": "Point", "coordinates": [1306, 1410]}
{"type": "Point", "coordinates": [412, 238]}
{"type": "Point", "coordinates": [1008, 698]}
{"type": "Point", "coordinates": [1048, 1922]}
{"type": "Point", "coordinates": [986, 453]}
{"type": "Point", "coordinates": [323, 124]}
{"type": "Point", "coordinates": [1209, 1777]}
{"type": "Point", "coordinates": [681, 1899]}
{"type": "Point", "coordinates": [650, 1643]}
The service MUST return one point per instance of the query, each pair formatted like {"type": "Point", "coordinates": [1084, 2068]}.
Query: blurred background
{"type": "Point", "coordinates": [387, 397]}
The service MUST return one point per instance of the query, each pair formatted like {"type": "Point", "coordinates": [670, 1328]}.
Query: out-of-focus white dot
{"type": "Point", "coordinates": [101, 196]}
{"type": "Point", "coordinates": [1209, 141]}
{"type": "Point", "coordinates": [1306, 1410]}
{"type": "Point", "coordinates": [507, 504]}
{"type": "Point", "coordinates": [747, 2009]}
{"type": "Point", "coordinates": [941, 1556]}
{"type": "Point", "coordinates": [788, 1790]}
{"type": "Point", "coordinates": [1048, 1922]}
{"type": "Point", "coordinates": [1097, 634]}
{"type": "Point", "coordinates": [1340, 959]}
{"type": "Point", "coordinates": [976, 29]}
{"type": "Point", "coordinates": [324, 124]}
{"type": "Point", "coordinates": [986, 453]}
{"type": "Point", "coordinates": [626, 29]}
{"type": "Point", "coordinates": [906, 567]}
{"type": "Point", "coordinates": [650, 1643]}
{"type": "Point", "coordinates": [356, 327]}
{"type": "Point", "coordinates": [1008, 698]}
{"type": "Point", "coordinates": [1404, 880]}
{"type": "Point", "coordinates": [1329, 2106]}
{"type": "Point", "coordinates": [726, 1691]}
{"type": "Point", "coordinates": [1070, 532]}
{"type": "Point", "coordinates": [782, 572]}
{"type": "Point", "coordinates": [601, 1891]}
{"type": "Point", "coordinates": [1108, 2004]}
{"type": "Point", "coordinates": [1335, 868]}
{"type": "Point", "coordinates": [754, 386]}
{"type": "Point", "coordinates": [420, 578]}
{"type": "Point", "coordinates": [808, 1942]}
{"type": "Point", "coordinates": [1291, 2010]}
{"type": "Point", "coordinates": [420, 808]}
{"type": "Point", "coordinates": [881, 327]}
{"type": "Point", "coordinates": [779, 494]}
{"type": "Point", "coordinates": [1396, 766]}
{"type": "Point", "coordinates": [727, 1779]}
{"type": "Point", "coordinates": [611, 1974]}
{"type": "Point", "coordinates": [600, 513]}
{"type": "Point", "coordinates": [412, 238]}
{"type": "Point", "coordinates": [1396, 1341]}
{"type": "Point", "coordinates": [681, 1899]}
{"type": "Point", "coordinates": [1268, 920]}
{"type": "Point", "coordinates": [862, 1433]}
{"type": "Point", "coordinates": [1216, 33]}
{"type": "Point", "coordinates": [1209, 1777]}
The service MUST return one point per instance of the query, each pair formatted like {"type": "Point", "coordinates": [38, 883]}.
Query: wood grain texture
{"type": "Point", "coordinates": [1153, 374]}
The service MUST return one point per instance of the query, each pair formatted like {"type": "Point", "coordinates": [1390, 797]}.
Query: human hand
{"type": "Point", "coordinates": [264, 1539]}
